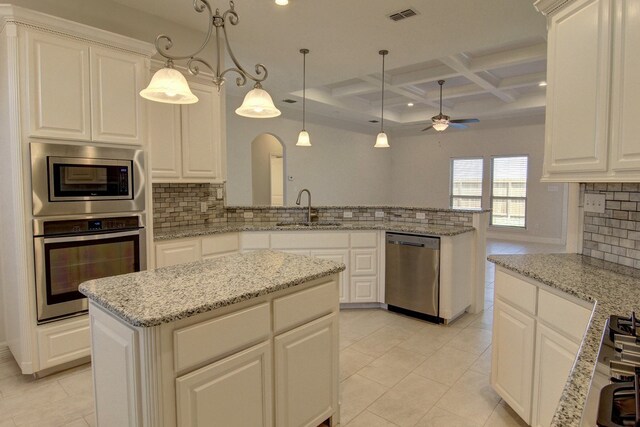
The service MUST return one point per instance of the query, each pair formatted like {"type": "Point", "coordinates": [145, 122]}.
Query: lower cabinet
{"type": "Point", "coordinates": [512, 357]}
{"type": "Point", "coordinates": [306, 388]}
{"type": "Point", "coordinates": [180, 251]}
{"type": "Point", "coordinates": [537, 332]}
{"type": "Point", "coordinates": [337, 255]}
{"type": "Point", "coordinates": [234, 392]}
{"type": "Point", "coordinates": [63, 341]}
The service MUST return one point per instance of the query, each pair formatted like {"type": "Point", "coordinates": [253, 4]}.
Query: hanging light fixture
{"type": "Point", "coordinates": [303, 137]}
{"type": "Point", "coordinates": [169, 85]}
{"type": "Point", "coordinates": [381, 139]}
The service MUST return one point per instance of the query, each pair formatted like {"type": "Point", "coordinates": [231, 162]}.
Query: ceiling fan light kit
{"type": "Point", "coordinates": [166, 86]}
{"type": "Point", "coordinates": [303, 137]}
{"type": "Point", "coordinates": [381, 140]}
{"type": "Point", "coordinates": [442, 122]}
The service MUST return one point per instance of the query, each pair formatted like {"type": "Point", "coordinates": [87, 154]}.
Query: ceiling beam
{"type": "Point", "coordinates": [354, 89]}
{"type": "Point", "coordinates": [531, 79]}
{"type": "Point", "coordinates": [413, 94]}
{"type": "Point", "coordinates": [525, 55]}
{"type": "Point", "coordinates": [460, 64]}
{"type": "Point", "coordinates": [423, 75]}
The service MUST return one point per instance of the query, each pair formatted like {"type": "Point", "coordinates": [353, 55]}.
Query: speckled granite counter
{"type": "Point", "coordinates": [149, 298]}
{"type": "Point", "coordinates": [614, 290]}
{"type": "Point", "coordinates": [403, 227]}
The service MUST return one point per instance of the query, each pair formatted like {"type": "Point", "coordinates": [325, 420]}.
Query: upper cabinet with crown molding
{"type": "Point", "coordinates": [76, 87]}
{"type": "Point", "coordinates": [593, 92]}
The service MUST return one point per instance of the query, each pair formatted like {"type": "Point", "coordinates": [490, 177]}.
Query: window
{"type": "Point", "coordinates": [509, 191]}
{"type": "Point", "coordinates": [466, 183]}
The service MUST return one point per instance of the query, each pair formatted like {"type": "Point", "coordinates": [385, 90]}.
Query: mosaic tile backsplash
{"type": "Point", "coordinates": [177, 205]}
{"type": "Point", "coordinates": [614, 235]}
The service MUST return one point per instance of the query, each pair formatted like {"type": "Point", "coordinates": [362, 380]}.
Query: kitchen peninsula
{"type": "Point", "coordinates": [178, 345]}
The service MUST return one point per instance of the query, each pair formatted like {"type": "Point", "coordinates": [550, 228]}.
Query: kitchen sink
{"type": "Point", "coordinates": [308, 224]}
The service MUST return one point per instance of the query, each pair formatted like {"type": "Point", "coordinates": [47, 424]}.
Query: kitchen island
{"type": "Point", "coordinates": [604, 287]}
{"type": "Point", "coordinates": [179, 345]}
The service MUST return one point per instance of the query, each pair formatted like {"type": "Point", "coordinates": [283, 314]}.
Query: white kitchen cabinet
{"type": "Point", "coordinates": [186, 140]}
{"type": "Point", "coordinates": [306, 388]}
{"type": "Point", "coordinates": [337, 255]}
{"type": "Point", "coordinates": [177, 252]}
{"type": "Point", "coordinates": [593, 92]}
{"type": "Point", "coordinates": [363, 289]}
{"type": "Point", "coordinates": [117, 110]}
{"type": "Point", "coordinates": [233, 392]}
{"type": "Point", "coordinates": [58, 86]}
{"type": "Point", "coordinates": [63, 341]}
{"type": "Point", "coordinates": [512, 357]}
{"type": "Point", "coordinates": [80, 91]}
{"type": "Point", "coordinates": [537, 331]}
{"type": "Point", "coordinates": [554, 358]}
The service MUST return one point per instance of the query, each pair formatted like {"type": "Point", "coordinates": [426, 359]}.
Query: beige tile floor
{"type": "Point", "coordinates": [394, 371]}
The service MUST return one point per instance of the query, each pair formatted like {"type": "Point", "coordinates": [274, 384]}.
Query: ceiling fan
{"type": "Point", "coordinates": [441, 122]}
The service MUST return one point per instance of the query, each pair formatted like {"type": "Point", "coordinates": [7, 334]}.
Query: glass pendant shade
{"type": "Point", "coordinates": [303, 139]}
{"type": "Point", "coordinates": [168, 85]}
{"type": "Point", "coordinates": [282, 2]}
{"type": "Point", "coordinates": [258, 104]}
{"type": "Point", "coordinates": [440, 126]}
{"type": "Point", "coordinates": [381, 141]}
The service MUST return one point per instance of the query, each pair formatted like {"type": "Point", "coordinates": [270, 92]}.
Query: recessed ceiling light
{"type": "Point", "coordinates": [410, 104]}
{"type": "Point", "coordinates": [542, 84]}
{"type": "Point", "coordinates": [282, 2]}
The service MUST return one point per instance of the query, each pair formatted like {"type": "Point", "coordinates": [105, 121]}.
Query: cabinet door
{"type": "Point", "coordinates": [116, 106]}
{"type": "Point", "coordinates": [578, 73]}
{"type": "Point", "coordinates": [57, 86]}
{"type": "Point", "coordinates": [306, 376]}
{"type": "Point", "coordinates": [625, 126]}
{"type": "Point", "coordinates": [165, 139]}
{"type": "Point", "coordinates": [363, 289]}
{"type": "Point", "coordinates": [234, 392]}
{"type": "Point", "coordinates": [201, 134]}
{"type": "Point", "coordinates": [364, 262]}
{"type": "Point", "coordinates": [512, 357]}
{"type": "Point", "coordinates": [555, 355]}
{"type": "Point", "coordinates": [342, 256]}
{"type": "Point", "coordinates": [180, 252]}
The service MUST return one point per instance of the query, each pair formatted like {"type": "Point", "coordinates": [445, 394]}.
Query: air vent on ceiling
{"type": "Point", "coordinates": [289, 101]}
{"type": "Point", "coordinates": [403, 14]}
{"type": "Point", "coordinates": [374, 121]}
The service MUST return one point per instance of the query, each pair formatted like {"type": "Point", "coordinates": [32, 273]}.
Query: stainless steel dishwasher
{"type": "Point", "coordinates": [413, 275]}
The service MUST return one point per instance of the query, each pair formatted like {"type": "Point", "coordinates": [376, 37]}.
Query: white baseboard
{"type": "Point", "coordinates": [519, 237]}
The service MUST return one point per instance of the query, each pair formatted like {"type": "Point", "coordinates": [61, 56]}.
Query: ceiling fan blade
{"type": "Point", "coordinates": [464, 121]}
{"type": "Point", "coordinates": [427, 128]}
{"type": "Point", "coordinates": [457, 125]}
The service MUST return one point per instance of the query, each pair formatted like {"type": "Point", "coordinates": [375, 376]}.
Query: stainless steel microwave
{"type": "Point", "coordinates": [80, 179]}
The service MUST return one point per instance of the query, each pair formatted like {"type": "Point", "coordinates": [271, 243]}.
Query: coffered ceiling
{"type": "Point", "coordinates": [491, 53]}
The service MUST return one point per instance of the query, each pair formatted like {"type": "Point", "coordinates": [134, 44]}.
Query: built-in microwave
{"type": "Point", "coordinates": [79, 179]}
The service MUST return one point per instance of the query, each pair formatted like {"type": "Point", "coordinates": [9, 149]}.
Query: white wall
{"type": "Point", "coordinates": [341, 168]}
{"type": "Point", "coordinates": [421, 173]}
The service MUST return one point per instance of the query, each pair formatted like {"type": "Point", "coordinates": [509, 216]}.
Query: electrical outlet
{"type": "Point", "coordinates": [203, 207]}
{"type": "Point", "coordinates": [347, 214]}
{"type": "Point", "coordinates": [248, 215]}
{"type": "Point", "coordinates": [594, 202]}
{"type": "Point", "coordinates": [379, 214]}
{"type": "Point", "coordinates": [420, 215]}
{"type": "Point", "coordinates": [219, 194]}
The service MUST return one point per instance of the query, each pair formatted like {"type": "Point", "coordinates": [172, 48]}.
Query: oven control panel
{"type": "Point", "coordinates": [79, 226]}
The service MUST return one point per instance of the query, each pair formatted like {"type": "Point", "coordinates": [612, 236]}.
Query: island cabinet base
{"type": "Point", "coordinates": [268, 361]}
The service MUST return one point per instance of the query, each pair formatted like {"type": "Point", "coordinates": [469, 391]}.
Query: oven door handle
{"type": "Point", "coordinates": [102, 236]}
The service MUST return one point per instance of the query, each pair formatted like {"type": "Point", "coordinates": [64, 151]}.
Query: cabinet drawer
{"type": "Point", "coordinates": [563, 315]}
{"type": "Point", "coordinates": [364, 240]}
{"type": "Point", "coordinates": [223, 243]}
{"type": "Point", "coordinates": [516, 291]}
{"type": "Point", "coordinates": [309, 240]}
{"type": "Point", "coordinates": [177, 252]}
{"type": "Point", "coordinates": [58, 344]}
{"type": "Point", "coordinates": [294, 310]}
{"type": "Point", "coordinates": [219, 337]}
{"type": "Point", "coordinates": [252, 240]}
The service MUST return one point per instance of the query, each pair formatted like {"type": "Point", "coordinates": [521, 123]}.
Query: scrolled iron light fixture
{"type": "Point", "coordinates": [169, 85]}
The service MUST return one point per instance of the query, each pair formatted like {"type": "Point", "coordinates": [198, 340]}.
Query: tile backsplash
{"type": "Point", "coordinates": [615, 234]}
{"type": "Point", "coordinates": [176, 205]}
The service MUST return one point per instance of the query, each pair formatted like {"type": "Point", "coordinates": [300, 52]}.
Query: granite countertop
{"type": "Point", "coordinates": [612, 288]}
{"type": "Point", "coordinates": [152, 297]}
{"type": "Point", "coordinates": [170, 233]}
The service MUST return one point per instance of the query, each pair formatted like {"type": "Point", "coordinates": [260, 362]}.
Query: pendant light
{"type": "Point", "coordinates": [381, 139]}
{"type": "Point", "coordinates": [303, 137]}
{"type": "Point", "coordinates": [169, 85]}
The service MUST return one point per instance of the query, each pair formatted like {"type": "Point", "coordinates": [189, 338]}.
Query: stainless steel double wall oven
{"type": "Point", "coordinates": [89, 220]}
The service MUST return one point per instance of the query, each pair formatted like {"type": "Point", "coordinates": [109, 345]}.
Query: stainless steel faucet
{"type": "Point", "coordinates": [309, 207]}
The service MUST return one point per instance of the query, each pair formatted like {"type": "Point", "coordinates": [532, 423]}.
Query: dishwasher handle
{"type": "Point", "coordinates": [425, 242]}
{"type": "Point", "coordinates": [397, 242]}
